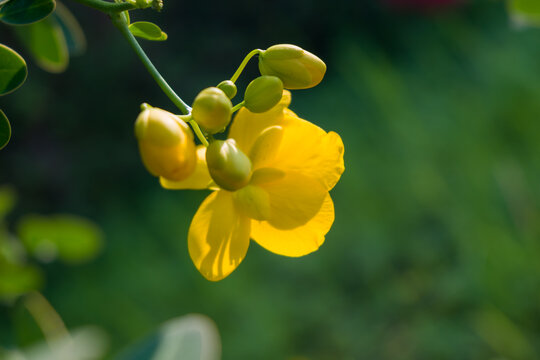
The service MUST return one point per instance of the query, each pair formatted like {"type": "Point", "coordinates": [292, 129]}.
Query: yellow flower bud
{"type": "Point", "coordinates": [228, 87]}
{"type": "Point", "coordinates": [166, 144]}
{"type": "Point", "coordinates": [297, 68]}
{"type": "Point", "coordinates": [212, 110]}
{"type": "Point", "coordinates": [263, 93]}
{"type": "Point", "coordinates": [229, 167]}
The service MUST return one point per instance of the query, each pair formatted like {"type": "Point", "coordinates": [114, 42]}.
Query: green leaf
{"type": "Point", "coordinates": [190, 337]}
{"type": "Point", "coordinates": [5, 130]}
{"type": "Point", "coordinates": [13, 70]}
{"type": "Point", "coordinates": [525, 12]}
{"type": "Point", "coordinates": [16, 279]}
{"type": "Point", "coordinates": [7, 200]}
{"type": "Point", "coordinates": [46, 42]}
{"type": "Point", "coordinates": [147, 30]}
{"type": "Point", "coordinates": [22, 12]}
{"type": "Point", "coordinates": [69, 238]}
{"type": "Point", "coordinates": [74, 35]}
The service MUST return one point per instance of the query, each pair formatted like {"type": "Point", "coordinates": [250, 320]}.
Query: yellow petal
{"type": "Point", "coordinates": [298, 241]}
{"type": "Point", "coordinates": [266, 146]}
{"type": "Point", "coordinates": [304, 147]}
{"type": "Point", "coordinates": [218, 237]}
{"type": "Point", "coordinates": [247, 126]}
{"type": "Point", "coordinates": [200, 179]}
{"type": "Point", "coordinates": [254, 202]}
{"type": "Point", "coordinates": [294, 200]}
{"type": "Point", "coordinates": [264, 175]}
{"type": "Point", "coordinates": [307, 149]}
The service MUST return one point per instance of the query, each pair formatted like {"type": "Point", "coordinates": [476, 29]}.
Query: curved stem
{"type": "Point", "coordinates": [198, 132]}
{"type": "Point", "coordinates": [106, 6]}
{"type": "Point", "coordinates": [46, 317]}
{"type": "Point", "coordinates": [238, 106]}
{"type": "Point", "coordinates": [244, 63]}
{"type": "Point", "coordinates": [180, 104]}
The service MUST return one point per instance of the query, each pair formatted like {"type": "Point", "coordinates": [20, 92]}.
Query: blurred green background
{"type": "Point", "coordinates": [435, 250]}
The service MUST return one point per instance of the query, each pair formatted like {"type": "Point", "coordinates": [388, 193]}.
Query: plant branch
{"type": "Point", "coordinates": [121, 24]}
{"type": "Point", "coordinates": [238, 106]}
{"type": "Point", "coordinates": [244, 63]}
{"type": "Point", "coordinates": [46, 317]}
{"type": "Point", "coordinates": [108, 7]}
{"type": "Point", "coordinates": [198, 132]}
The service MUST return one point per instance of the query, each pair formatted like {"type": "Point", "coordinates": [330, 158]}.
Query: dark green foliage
{"type": "Point", "coordinates": [13, 73]}
{"type": "Point", "coordinates": [22, 12]}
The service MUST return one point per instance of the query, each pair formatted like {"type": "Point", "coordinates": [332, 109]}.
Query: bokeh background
{"type": "Point", "coordinates": [435, 250]}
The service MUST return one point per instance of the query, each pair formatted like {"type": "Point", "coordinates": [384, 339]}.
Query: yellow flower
{"type": "Point", "coordinates": [285, 207]}
{"type": "Point", "coordinates": [166, 144]}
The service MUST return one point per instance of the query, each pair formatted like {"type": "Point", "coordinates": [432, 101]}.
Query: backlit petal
{"type": "Point", "coordinates": [308, 149]}
{"type": "Point", "coordinates": [218, 237]}
{"type": "Point", "coordinates": [247, 126]}
{"type": "Point", "coordinates": [298, 241]}
{"type": "Point", "coordinates": [266, 146]}
{"type": "Point", "coordinates": [265, 175]}
{"type": "Point", "coordinates": [200, 179]}
{"type": "Point", "coordinates": [294, 200]}
{"type": "Point", "coordinates": [304, 147]}
{"type": "Point", "coordinates": [254, 202]}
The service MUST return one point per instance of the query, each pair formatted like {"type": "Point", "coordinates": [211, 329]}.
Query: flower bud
{"type": "Point", "coordinates": [228, 87]}
{"type": "Point", "coordinates": [297, 68]}
{"type": "Point", "coordinates": [263, 93]}
{"type": "Point", "coordinates": [212, 110]}
{"type": "Point", "coordinates": [166, 144]}
{"type": "Point", "coordinates": [229, 167]}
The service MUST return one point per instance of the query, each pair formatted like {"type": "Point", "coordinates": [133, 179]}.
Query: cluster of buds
{"type": "Point", "coordinates": [166, 142]}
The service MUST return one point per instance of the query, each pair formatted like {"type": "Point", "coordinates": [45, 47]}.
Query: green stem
{"type": "Point", "coordinates": [198, 132]}
{"type": "Point", "coordinates": [106, 6]}
{"type": "Point", "coordinates": [237, 106]}
{"type": "Point", "coordinates": [46, 317]}
{"type": "Point", "coordinates": [180, 104]}
{"type": "Point", "coordinates": [244, 63]}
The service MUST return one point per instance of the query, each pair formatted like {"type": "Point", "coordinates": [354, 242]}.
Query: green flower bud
{"type": "Point", "coordinates": [263, 93]}
{"type": "Point", "coordinates": [157, 5]}
{"type": "Point", "coordinates": [229, 167]}
{"type": "Point", "coordinates": [143, 3]}
{"type": "Point", "coordinates": [228, 87]}
{"type": "Point", "coordinates": [212, 110]}
{"type": "Point", "coordinates": [297, 68]}
{"type": "Point", "coordinates": [166, 144]}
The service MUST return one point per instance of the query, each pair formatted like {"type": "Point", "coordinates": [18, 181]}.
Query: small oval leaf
{"type": "Point", "coordinates": [18, 279]}
{"type": "Point", "coordinates": [147, 30]}
{"type": "Point", "coordinates": [46, 42]}
{"type": "Point", "coordinates": [5, 130]}
{"type": "Point", "coordinates": [69, 238]}
{"type": "Point", "coordinates": [13, 70]}
{"type": "Point", "coordinates": [74, 35]}
{"type": "Point", "coordinates": [8, 198]}
{"type": "Point", "coordinates": [22, 12]}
